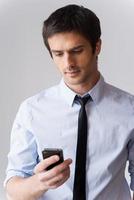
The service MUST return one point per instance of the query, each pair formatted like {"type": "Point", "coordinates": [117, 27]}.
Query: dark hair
{"type": "Point", "coordinates": [72, 18]}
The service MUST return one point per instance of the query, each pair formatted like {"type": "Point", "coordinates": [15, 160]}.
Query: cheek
{"type": "Point", "coordinates": [84, 61]}
{"type": "Point", "coordinates": [88, 64]}
{"type": "Point", "coordinates": [59, 64]}
{"type": "Point", "coordinates": [85, 56]}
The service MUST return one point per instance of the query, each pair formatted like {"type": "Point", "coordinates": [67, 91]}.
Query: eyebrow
{"type": "Point", "coordinates": [69, 50]}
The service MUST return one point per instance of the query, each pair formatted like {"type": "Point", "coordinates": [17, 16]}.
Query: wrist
{"type": "Point", "coordinates": [37, 189]}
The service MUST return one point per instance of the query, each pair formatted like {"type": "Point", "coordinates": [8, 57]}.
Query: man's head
{"type": "Point", "coordinates": [72, 36]}
{"type": "Point", "coordinates": [73, 18]}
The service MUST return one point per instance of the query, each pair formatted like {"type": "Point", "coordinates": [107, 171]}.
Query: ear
{"type": "Point", "coordinates": [98, 47]}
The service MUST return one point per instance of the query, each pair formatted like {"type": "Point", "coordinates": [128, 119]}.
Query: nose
{"type": "Point", "coordinates": [69, 61]}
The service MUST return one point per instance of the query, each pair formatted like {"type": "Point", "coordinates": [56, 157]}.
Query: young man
{"type": "Point", "coordinates": [54, 119]}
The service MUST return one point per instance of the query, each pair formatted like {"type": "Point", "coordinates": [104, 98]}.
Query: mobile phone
{"type": "Point", "coordinates": [47, 152]}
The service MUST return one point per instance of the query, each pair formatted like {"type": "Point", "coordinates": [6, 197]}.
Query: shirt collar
{"type": "Point", "coordinates": [96, 92]}
{"type": "Point", "coordinates": [67, 93]}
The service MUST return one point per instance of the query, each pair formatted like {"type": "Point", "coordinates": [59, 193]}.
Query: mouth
{"type": "Point", "coordinates": [72, 73]}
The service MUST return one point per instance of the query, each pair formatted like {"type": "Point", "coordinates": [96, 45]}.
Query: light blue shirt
{"type": "Point", "coordinates": [49, 120]}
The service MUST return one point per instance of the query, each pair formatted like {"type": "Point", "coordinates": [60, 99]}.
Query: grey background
{"type": "Point", "coordinates": [26, 67]}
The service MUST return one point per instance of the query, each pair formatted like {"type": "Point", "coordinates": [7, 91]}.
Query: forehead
{"type": "Point", "coordinates": [67, 40]}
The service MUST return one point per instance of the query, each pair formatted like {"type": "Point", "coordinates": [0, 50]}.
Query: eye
{"type": "Point", "coordinates": [77, 51]}
{"type": "Point", "coordinates": [58, 54]}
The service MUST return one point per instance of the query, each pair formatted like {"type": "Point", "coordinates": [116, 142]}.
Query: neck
{"type": "Point", "coordinates": [85, 87]}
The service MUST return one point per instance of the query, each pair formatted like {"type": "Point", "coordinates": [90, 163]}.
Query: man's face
{"type": "Point", "coordinates": [74, 57]}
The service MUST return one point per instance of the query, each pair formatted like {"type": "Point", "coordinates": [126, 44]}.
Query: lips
{"type": "Point", "coordinates": [72, 72]}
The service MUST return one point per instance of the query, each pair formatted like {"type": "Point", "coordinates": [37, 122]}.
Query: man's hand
{"type": "Point", "coordinates": [35, 186]}
{"type": "Point", "coordinates": [53, 178]}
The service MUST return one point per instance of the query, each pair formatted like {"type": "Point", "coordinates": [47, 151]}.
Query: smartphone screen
{"type": "Point", "coordinates": [47, 152]}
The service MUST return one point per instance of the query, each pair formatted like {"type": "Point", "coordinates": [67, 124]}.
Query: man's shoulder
{"type": "Point", "coordinates": [115, 90]}
{"type": "Point", "coordinates": [118, 94]}
{"type": "Point", "coordinates": [42, 95]}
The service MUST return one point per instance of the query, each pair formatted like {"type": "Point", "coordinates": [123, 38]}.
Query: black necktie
{"type": "Point", "coordinates": [79, 190]}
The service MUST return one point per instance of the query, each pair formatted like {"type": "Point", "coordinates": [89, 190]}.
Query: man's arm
{"type": "Point", "coordinates": [33, 187]}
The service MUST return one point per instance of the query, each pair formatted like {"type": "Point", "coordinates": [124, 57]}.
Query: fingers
{"type": "Point", "coordinates": [45, 163]}
{"type": "Point", "coordinates": [59, 180]}
{"type": "Point", "coordinates": [53, 178]}
{"type": "Point", "coordinates": [57, 170]}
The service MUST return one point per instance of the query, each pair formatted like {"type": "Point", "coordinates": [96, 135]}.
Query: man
{"type": "Point", "coordinates": [50, 119]}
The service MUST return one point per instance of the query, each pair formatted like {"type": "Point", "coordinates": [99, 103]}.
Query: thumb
{"type": "Point", "coordinates": [40, 167]}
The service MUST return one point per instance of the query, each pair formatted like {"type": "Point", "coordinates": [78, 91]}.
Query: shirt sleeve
{"type": "Point", "coordinates": [23, 155]}
{"type": "Point", "coordinates": [131, 161]}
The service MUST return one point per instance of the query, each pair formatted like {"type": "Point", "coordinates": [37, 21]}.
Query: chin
{"type": "Point", "coordinates": [73, 82]}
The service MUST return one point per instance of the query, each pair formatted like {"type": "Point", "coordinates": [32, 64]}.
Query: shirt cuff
{"type": "Point", "coordinates": [12, 174]}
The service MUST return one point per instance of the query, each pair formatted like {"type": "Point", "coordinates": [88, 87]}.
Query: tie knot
{"type": "Point", "coordinates": [83, 100]}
